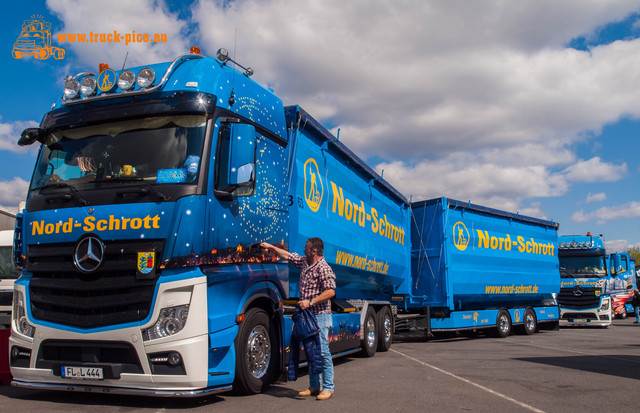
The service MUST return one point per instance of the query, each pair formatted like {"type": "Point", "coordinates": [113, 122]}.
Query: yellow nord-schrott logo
{"type": "Point", "coordinates": [35, 40]}
{"type": "Point", "coordinates": [516, 316]}
{"type": "Point", "coordinates": [106, 80]}
{"type": "Point", "coordinates": [313, 186]}
{"type": "Point", "coordinates": [460, 236]}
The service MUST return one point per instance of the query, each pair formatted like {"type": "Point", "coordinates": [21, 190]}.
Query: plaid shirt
{"type": "Point", "coordinates": [314, 280]}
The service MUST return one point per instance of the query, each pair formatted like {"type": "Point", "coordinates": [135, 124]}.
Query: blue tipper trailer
{"type": "Point", "coordinates": [475, 267]}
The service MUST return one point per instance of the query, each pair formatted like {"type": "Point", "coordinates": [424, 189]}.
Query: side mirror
{"type": "Point", "coordinates": [242, 154]}
{"type": "Point", "coordinates": [243, 174]}
{"type": "Point", "coordinates": [30, 135]}
{"type": "Point", "coordinates": [236, 160]}
{"type": "Point", "coordinates": [616, 265]}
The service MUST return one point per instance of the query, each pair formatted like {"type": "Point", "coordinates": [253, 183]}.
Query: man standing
{"type": "Point", "coordinates": [317, 287]}
{"type": "Point", "coordinates": [635, 301]}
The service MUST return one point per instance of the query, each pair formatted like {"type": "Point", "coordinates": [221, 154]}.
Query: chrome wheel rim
{"type": "Point", "coordinates": [371, 331]}
{"type": "Point", "coordinates": [504, 324]}
{"type": "Point", "coordinates": [387, 328]}
{"type": "Point", "coordinates": [258, 351]}
{"type": "Point", "coordinates": [530, 323]}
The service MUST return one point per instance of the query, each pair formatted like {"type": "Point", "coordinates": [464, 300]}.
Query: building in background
{"type": "Point", "coordinates": [7, 220]}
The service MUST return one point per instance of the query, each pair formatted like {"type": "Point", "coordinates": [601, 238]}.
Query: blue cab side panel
{"type": "Point", "coordinates": [363, 221]}
{"type": "Point", "coordinates": [470, 257]}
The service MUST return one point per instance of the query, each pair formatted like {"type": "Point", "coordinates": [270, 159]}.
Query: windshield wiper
{"type": "Point", "coordinates": [57, 185]}
{"type": "Point", "coordinates": [134, 179]}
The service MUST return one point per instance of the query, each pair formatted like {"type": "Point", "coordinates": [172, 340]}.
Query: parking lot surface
{"type": "Point", "coordinates": [571, 370]}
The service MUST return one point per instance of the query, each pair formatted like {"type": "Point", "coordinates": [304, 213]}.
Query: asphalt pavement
{"type": "Point", "coordinates": [570, 370]}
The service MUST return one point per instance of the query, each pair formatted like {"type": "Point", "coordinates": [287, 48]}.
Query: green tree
{"type": "Point", "coordinates": [634, 252]}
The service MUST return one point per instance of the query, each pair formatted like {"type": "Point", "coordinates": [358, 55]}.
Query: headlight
{"type": "Point", "coordinates": [605, 305]}
{"type": "Point", "coordinates": [88, 86]}
{"type": "Point", "coordinates": [20, 320]}
{"type": "Point", "coordinates": [126, 80]}
{"type": "Point", "coordinates": [171, 321]}
{"type": "Point", "coordinates": [71, 89]}
{"type": "Point", "coordinates": [146, 77]}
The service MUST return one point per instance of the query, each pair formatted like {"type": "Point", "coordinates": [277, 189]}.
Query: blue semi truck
{"type": "Point", "coordinates": [138, 244]}
{"type": "Point", "coordinates": [584, 297]}
{"type": "Point", "coordinates": [622, 283]}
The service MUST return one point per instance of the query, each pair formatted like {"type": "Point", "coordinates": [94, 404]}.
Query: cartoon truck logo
{"type": "Point", "coordinates": [35, 40]}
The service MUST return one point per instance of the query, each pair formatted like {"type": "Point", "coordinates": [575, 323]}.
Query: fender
{"type": "Point", "coordinates": [263, 289]}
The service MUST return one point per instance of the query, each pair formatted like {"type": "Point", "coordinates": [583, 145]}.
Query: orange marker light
{"type": "Point", "coordinates": [195, 50]}
{"type": "Point", "coordinates": [103, 67]}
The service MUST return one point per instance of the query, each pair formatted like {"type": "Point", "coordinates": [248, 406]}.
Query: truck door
{"type": "Point", "coordinates": [250, 188]}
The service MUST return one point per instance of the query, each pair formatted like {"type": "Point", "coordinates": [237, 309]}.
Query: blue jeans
{"type": "Point", "coordinates": [325, 322]}
{"type": "Point", "coordinates": [637, 311]}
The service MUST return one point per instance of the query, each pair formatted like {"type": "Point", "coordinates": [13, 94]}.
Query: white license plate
{"type": "Point", "coordinates": [580, 320]}
{"type": "Point", "coordinates": [82, 373]}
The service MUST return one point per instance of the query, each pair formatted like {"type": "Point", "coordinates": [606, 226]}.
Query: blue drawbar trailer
{"type": "Point", "coordinates": [475, 267]}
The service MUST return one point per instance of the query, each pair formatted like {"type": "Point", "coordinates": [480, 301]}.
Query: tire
{"type": "Point", "coordinates": [369, 341]}
{"type": "Point", "coordinates": [257, 352]}
{"type": "Point", "coordinates": [385, 329]}
{"type": "Point", "coordinates": [503, 324]}
{"type": "Point", "coordinates": [530, 325]}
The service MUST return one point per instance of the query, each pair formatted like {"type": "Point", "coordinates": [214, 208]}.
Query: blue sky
{"type": "Point", "coordinates": [529, 106]}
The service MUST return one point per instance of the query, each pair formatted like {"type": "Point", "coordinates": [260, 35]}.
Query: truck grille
{"type": "Point", "coordinates": [588, 299]}
{"type": "Point", "coordinates": [113, 294]}
{"type": "Point", "coordinates": [585, 316]}
{"type": "Point", "coordinates": [118, 355]}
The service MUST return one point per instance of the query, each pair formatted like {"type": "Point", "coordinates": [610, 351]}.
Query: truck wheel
{"type": "Point", "coordinates": [256, 353]}
{"type": "Point", "coordinates": [530, 325]}
{"type": "Point", "coordinates": [503, 324]}
{"type": "Point", "coordinates": [369, 336]}
{"type": "Point", "coordinates": [385, 329]}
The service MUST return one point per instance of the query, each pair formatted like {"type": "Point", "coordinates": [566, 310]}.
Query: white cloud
{"type": "Point", "coordinates": [618, 245]}
{"type": "Point", "coordinates": [605, 214]}
{"type": "Point", "coordinates": [594, 170]}
{"type": "Point", "coordinates": [478, 101]}
{"type": "Point", "coordinates": [399, 80]}
{"type": "Point", "coordinates": [599, 197]}
{"type": "Point", "coordinates": [10, 133]}
{"type": "Point", "coordinates": [533, 210]}
{"type": "Point", "coordinates": [467, 176]}
{"type": "Point", "coordinates": [13, 192]}
{"type": "Point", "coordinates": [125, 17]}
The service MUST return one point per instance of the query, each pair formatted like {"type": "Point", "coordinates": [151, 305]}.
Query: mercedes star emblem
{"type": "Point", "coordinates": [578, 291]}
{"type": "Point", "coordinates": [89, 254]}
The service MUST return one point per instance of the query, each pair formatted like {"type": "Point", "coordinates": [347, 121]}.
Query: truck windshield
{"type": "Point", "coordinates": [156, 150]}
{"type": "Point", "coordinates": [582, 267]}
{"type": "Point", "coordinates": [7, 270]}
